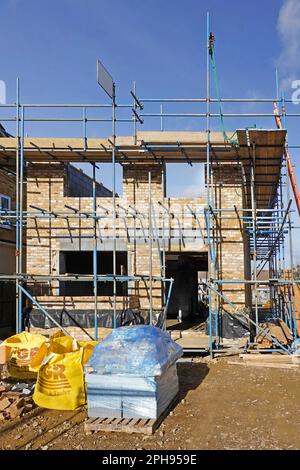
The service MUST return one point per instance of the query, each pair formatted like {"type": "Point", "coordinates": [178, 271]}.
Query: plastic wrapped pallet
{"type": "Point", "coordinates": [125, 396]}
{"type": "Point", "coordinates": [145, 351]}
{"type": "Point", "coordinates": [133, 375]}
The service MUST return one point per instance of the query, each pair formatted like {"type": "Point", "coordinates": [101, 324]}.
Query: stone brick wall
{"type": "Point", "coordinates": [45, 238]}
{"type": "Point", "coordinates": [7, 232]}
{"type": "Point", "coordinates": [233, 260]}
{"type": "Point", "coordinates": [136, 194]}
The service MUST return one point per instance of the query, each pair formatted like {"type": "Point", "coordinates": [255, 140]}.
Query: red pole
{"type": "Point", "coordinates": [288, 161]}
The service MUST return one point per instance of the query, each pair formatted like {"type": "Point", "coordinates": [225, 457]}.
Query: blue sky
{"type": "Point", "coordinates": [52, 46]}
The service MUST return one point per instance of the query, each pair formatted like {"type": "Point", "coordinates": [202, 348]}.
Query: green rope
{"type": "Point", "coordinates": [229, 139]}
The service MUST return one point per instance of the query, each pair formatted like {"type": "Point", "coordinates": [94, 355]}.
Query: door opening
{"type": "Point", "coordinates": [188, 302]}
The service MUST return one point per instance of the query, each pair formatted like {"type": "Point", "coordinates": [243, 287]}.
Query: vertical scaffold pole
{"type": "Point", "coordinates": [280, 214]}
{"type": "Point", "coordinates": [84, 121]}
{"type": "Point", "coordinates": [208, 174]}
{"type": "Point", "coordinates": [150, 250]}
{"type": "Point", "coordinates": [254, 224]}
{"type": "Point", "coordinates": [21, 183]}
{"type": "Point", "coordinates": [134, 115]}
{"type": "Point", "coordinates": [18, 291]}
{"type": "Point", "coordinates": [95, 263]}
{"type": "Point", "coordinates": [114, 204]}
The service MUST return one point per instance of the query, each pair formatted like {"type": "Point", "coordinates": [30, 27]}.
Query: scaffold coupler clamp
{"type": "Point", "coordinates": [211, 43]}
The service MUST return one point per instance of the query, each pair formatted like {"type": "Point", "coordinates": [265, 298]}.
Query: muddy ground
{"type": "Point", "coordinates": [221, 406]}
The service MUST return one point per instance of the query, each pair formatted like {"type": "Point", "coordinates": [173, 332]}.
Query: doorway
{"type": "Point", "coordinates": [188, 304]}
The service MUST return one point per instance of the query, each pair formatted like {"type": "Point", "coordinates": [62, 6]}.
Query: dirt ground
{"type": "Point", "coordinates": [220, 406]}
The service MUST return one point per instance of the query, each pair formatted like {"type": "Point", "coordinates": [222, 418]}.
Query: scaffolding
{"type": "Point", "coordinates": [268, 223]}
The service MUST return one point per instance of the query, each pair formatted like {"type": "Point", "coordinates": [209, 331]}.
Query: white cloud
{"type": "Point", "coordinates": [196, 187]}
{"type": "Point", "coordinates": [288, 28]}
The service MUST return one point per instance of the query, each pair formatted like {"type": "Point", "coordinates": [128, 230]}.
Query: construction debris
{"type": "Point", "coordinates": [15, 398]}
{"type": "Point", "coordinates": [276, 361]}
{"type": "Point", "coordinates": [271, 358]}
{"type": "Point", "coordinates": [278, 330]}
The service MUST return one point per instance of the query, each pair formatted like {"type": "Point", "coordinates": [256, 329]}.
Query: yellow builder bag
{"type": "Point", "coordinates": [60, 383]}
{"type": "Point", "coordinates": [26, 352]}
{"type": "Point", "coordinates": [88, 347]}
{"type": "Point", "coordinates": [61, 343]}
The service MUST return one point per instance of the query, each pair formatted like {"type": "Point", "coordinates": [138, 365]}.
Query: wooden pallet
{"type": "Point", "coordinates": [128, 425]}
{"type": "Point", "coordinates": [133, 425]}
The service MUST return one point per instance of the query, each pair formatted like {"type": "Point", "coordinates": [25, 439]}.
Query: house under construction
{"type": "Point", "coordinates": [194, 265]}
